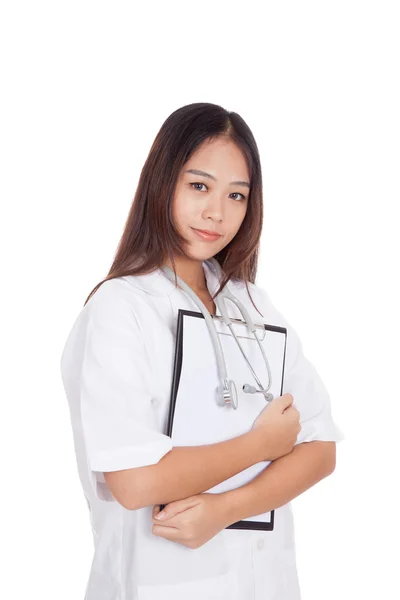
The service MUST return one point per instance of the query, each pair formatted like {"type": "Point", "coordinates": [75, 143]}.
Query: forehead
{"type": "Point", "coordinates": [218, 160]}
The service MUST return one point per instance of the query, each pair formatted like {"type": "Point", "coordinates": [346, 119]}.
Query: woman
{"type": "Point", "coordinates": [203, 173]}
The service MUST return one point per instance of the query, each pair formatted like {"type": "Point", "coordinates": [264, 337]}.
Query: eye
{"type": "Point", "coordinates": [198, 183]}
{"type": "Point", "coordinates": [238, 194]}
{"type": "Point", "coordinates": [233, 193]}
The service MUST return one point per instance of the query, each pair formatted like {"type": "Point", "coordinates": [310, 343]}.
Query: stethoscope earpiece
{"type": "Point", "coordinates": [250, 389]}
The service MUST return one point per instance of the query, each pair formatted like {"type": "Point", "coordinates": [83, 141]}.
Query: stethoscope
{"type": "Point", "coordinates": [226, 392]}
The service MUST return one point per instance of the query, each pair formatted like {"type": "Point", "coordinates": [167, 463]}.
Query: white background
{"type": "Point", "coordinates": [85, 88]}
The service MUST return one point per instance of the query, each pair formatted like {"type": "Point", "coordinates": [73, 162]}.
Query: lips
{"type": "Point", "coordinates": [206, 235]}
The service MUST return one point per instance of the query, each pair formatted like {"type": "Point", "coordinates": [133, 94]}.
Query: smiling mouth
{"type": "Point", "coordinates": [206, 236]}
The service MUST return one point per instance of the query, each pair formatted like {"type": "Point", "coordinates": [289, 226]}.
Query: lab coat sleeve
{"type": "Point", "coordinates": [115, 400]}
{"type": "Point", "coordinates": [301, 379]}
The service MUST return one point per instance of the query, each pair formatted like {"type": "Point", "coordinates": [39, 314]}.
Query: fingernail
{"type": "Point", "coordinates": [161, 515]}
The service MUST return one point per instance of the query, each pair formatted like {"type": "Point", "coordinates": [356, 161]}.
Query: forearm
{"type": "Point", "coordinates": [283, 480]}
{"type": "Point", "coordinates": [188, 470]}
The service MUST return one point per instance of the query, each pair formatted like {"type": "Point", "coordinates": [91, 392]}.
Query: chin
{"type": "Point", "coordinates": [198, 253]}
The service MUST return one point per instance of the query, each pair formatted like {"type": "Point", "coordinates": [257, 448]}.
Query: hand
{"type": "Point", "coordinates": [192, 521]}
{"type": "Point", "coordinates": [279, 423]}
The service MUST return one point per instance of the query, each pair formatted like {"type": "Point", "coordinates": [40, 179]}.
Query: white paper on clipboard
{"type": "Point", "coordinates": [195, 416]}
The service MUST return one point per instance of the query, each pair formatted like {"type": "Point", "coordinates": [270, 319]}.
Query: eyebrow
{"type": "Point", "coordinates": [204, 174]}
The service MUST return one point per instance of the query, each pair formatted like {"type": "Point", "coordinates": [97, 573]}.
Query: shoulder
{"type": "Point", "coordinates": [240, 284]}
{"type": "Point", "coordinates": [259, 294]}
{"type": "Point", "coordinates": [113, 295]}
{"type": "Point", "coordinates": [114, 312]}
{"type": "Point", "coordinates": [265, 304]}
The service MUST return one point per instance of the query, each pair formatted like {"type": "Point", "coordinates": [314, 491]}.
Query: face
{"type": "Point", "coordinates": [215, 199]}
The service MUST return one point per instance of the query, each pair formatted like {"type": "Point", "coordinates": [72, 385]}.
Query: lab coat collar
{"type": "Point", "coordinates": [157, 284]}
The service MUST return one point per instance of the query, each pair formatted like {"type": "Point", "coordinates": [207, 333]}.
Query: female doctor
{"type": "Point", "coordinates": [199, 196]}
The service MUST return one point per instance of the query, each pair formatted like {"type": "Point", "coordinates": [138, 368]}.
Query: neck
{"type": "Point", "coordinates": [191, 271]}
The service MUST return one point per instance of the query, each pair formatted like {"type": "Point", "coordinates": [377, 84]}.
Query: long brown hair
{"type": "Point", "coordinates": [149, 233]}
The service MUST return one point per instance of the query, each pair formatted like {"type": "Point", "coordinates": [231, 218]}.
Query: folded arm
{"type": "Point", "coordinates": [284, 479]}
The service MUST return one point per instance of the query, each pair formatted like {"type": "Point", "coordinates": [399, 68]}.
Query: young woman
{"type": "Point", "coordinates": [203, 174]}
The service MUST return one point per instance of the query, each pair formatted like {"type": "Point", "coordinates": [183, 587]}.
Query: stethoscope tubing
{"type": "Point", "coordinates": [227, 388]}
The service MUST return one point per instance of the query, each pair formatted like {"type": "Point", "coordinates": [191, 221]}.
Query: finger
{"type": "Point", "coordinates": [177, 507]}
{"type": "Point", "coordinates": [169, 533]}
{"type": "Point", "coordinates": [168, 521]}
{"type": "Point", "coordinates": [180, 520]}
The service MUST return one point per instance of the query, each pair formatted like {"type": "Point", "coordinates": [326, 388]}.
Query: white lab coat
{"type": "Point", "coordinates": [116, 369]}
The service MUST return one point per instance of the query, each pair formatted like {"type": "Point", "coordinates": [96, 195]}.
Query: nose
{"type": "Point", "coordinates": [213, 208]}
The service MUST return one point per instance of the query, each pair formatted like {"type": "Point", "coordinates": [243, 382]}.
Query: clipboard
{"type": "Point", "coordinates": [195, 418]}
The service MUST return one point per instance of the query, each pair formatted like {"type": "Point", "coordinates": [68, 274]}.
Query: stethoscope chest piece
{"type": "Point", "coordinates": [227, 394]}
